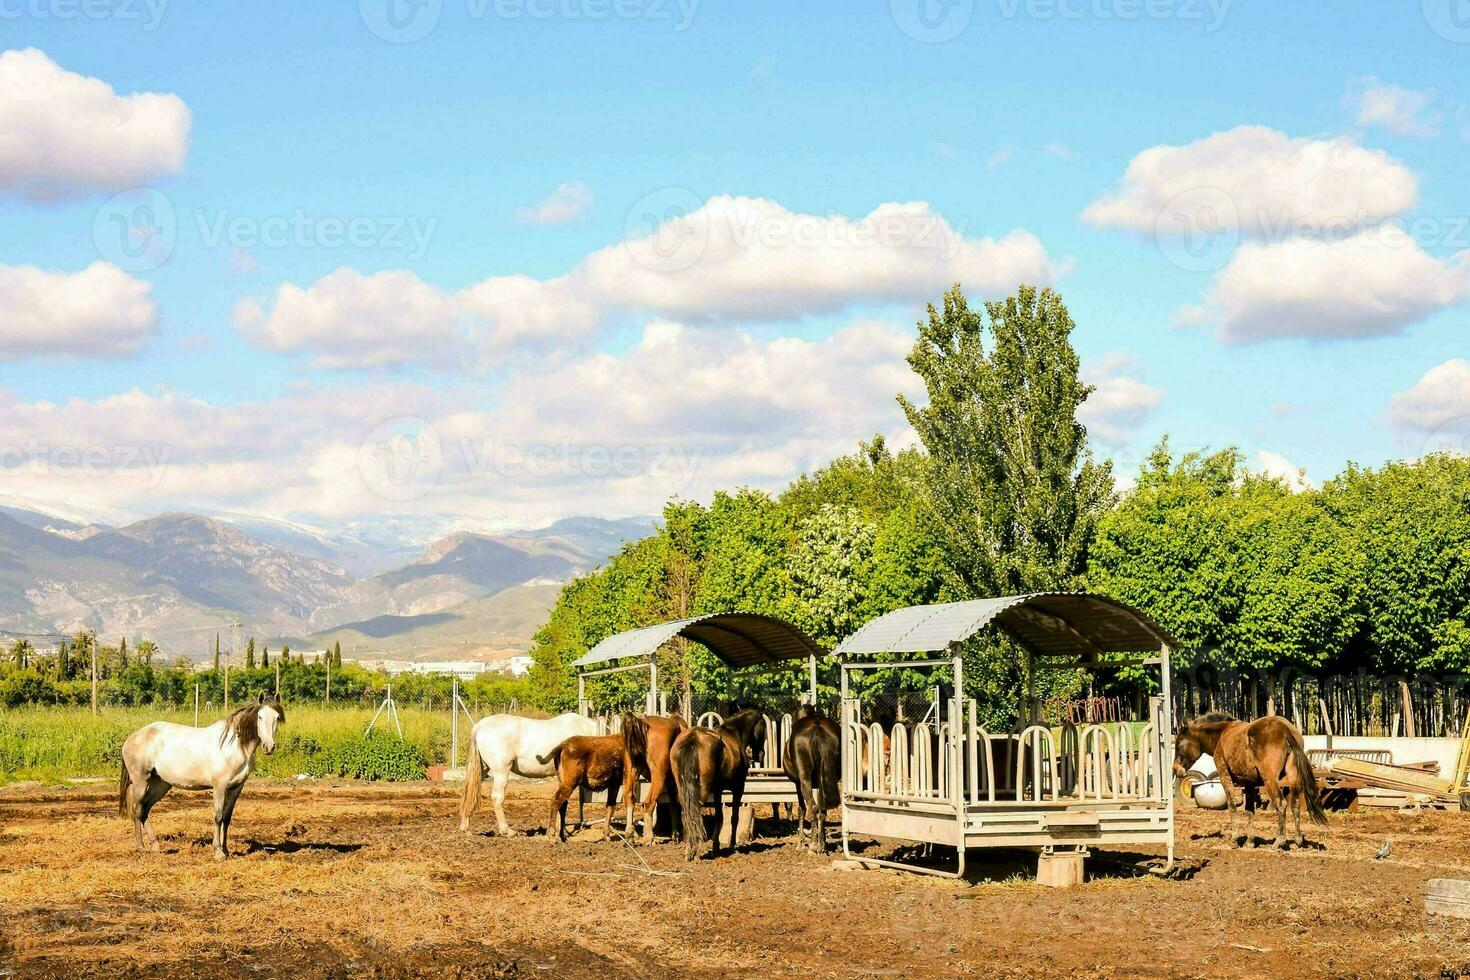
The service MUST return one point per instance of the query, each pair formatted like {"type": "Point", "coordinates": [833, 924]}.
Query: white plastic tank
{"type": "Point", "coordinates": [1202, 784]}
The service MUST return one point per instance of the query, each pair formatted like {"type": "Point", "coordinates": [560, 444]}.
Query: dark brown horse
{"type": "Point", "coordinates": [593, 761]}
{"type": "Point", "coordinates": [1266, 753]}
{"type": "Point", "coordinates": [647, 746]}
{"type": "Point", "coordinates": [811, 762]}
{"type": "Point", "coordinates": [709, 761]}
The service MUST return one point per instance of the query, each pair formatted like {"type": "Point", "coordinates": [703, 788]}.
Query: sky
{"type": "Point", "coordinates": [487, 263]}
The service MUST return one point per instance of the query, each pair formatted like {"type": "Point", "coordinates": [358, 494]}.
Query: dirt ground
{"type": "Point", "coordinates": [376, 881]}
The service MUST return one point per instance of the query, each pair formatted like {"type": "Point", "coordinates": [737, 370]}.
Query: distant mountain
{"type": "Point", "coordinates": [357, 556]}
{"type": "Point", "coordinates": [217, 564]}
{"type": "Point", "coordinates": [178, 578]}
{"type": "Point", "coordinates": [492, 628]}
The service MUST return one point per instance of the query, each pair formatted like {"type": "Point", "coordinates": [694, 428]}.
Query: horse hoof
{"type": "Point", "coordinates": [1240, 841]}
{"type": "Point", "coordinates": [508, 832]}
{"type": "Point", "coordinates": [220, 855]}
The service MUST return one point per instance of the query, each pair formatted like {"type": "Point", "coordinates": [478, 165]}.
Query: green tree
{"type": "Point", "coordinates": [250, 654]}
{"type": "Point", "coordinates": [216, 652]}
{"type": "Point", "coordinates": [146, 651]}
{"type": "Point", "coordinates": [1015, 491]}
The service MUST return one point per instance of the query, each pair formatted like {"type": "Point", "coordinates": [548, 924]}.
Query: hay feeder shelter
{"type": "Point", "coordinates": [1059, 790]}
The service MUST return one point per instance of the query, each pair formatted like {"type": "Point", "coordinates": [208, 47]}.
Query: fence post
{"type": "Point", "coordinates": [196, 705]}
{"type": "Point", "coordinates": [227, 688]}
{"type": "Point", "coordinates": [454, 722]}
{"type": "Point", "coordinates": [329, 677]}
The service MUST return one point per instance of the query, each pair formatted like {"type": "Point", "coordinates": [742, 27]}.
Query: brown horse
{"type": "Point", "coordinates": [593, 761]}
{"type": "Point", "coordinates": [1267, 753]}
{"type": "Point", "coordinates": [811, 763]}
{"type": "Point", "coordinates": [647, 744]}
{"type": "Point", "coordinates": [708, 761]}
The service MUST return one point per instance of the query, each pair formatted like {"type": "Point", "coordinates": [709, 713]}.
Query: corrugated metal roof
{"type": "Point", "coordinates": [739, 639]}
{"type": "Point", "coordinates": [1051, 623]}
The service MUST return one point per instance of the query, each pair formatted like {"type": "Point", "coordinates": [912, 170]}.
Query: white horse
{"type": "Point", "coordinates": [219, 757]}
{"type": "Point", "coordinates": [507, 744]}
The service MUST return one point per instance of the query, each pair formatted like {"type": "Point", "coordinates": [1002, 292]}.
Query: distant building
{"type": "Point", "coordinates": [519, 665]}
{"type": "Point", "coordinates": [463, 669]}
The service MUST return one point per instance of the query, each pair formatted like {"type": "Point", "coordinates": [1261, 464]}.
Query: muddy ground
{"type": "Point", "coordinates": [376, 881]}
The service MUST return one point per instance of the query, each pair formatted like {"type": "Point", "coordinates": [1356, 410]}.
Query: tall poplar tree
{"type": "Point", "coordinates": [1015, 490]}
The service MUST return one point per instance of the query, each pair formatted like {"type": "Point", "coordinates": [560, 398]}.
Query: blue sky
{"type": "Point", "coordinates": [242, 399]}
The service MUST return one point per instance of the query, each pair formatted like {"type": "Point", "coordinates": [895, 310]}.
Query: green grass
{"type": "Point", "coordinates": [53, 744]}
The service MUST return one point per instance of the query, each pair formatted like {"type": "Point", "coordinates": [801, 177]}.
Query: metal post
{"type": "Point", "coordinates": [652, 690]}
{"type": "Point", "coordinates": [278, 678]}
{"type": "Point", "coordinates": [329, 677]}
{"type": "Point", "coordinates": [957, 779]}
{"type": "Point", "coordinates": [227, 688]}
{"type": "Point", "coordinates": [811, 667]}
{"type": "Point", "coordinates": [196, 705]}
{"type": "Point", "coordinates": [94, 675]}
{"type": "Point", "coordinates": [454, 722]}
{"type": "Point", "coordinates": [1166, 754]}
{"type": "Point", "coordinates": [581, 695]}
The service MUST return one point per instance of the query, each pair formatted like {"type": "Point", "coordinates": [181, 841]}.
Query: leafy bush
{"type": "Point", "coordinates": [376, 755]}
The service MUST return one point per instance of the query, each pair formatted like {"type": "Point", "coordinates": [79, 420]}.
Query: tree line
{"type": "Point", "coordinates": [1003, 496]}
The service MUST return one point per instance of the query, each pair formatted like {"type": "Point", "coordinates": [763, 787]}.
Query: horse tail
{"type": "Point", "coordinates": [470, 802]}
{"type": "Point", "coordinates": [123, 782]}
{"type": "Point", "coordinates": [828, 766]}
{"type": "Point", "coordinates": [554, 756]}
{"type": "Point", "coordinates": [691, 799]}
{"type": "Point", "coordinates": [1306, 782]}
{"type": "Point", "coordinates": [635, 738]}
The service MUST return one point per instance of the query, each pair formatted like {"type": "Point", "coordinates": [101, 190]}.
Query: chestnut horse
{"type": "Point", "coordinates": [1268, 753]}
{"type": "Point", "coordinates": [648, 742]}
{"type": "Point", "coordinates": [593, 761]}
{"type": "Point", "coordinates": [811, 762]}
{"type": "Point", "coordinates": [709, 761]}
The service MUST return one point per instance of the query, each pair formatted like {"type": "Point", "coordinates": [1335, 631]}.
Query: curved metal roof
{"type": "Point", "coordinates": [1047, 623]}
{"type": "Point", "coordinates": [739, 639]}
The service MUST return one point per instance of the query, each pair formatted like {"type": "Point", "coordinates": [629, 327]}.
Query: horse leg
{"type": "Point", "coordinates": [136, 791]}
{"type": "Point", "coordinates": [232, 793]}
{"type": "Point", "coordinates": [1229, 786]}
{"type": "Point", "coordinates": [556, 819]}
{"type": "Point", "coordinates": [1275, 794]}
{"type": "Point", "coordinates": [736, 791]}
{"type": "Point", "coordinates": [500, 777]}
{"type": "Point", "coordinates": [612, 802]}
{"type": "Point", "coordinates": [155, 790]}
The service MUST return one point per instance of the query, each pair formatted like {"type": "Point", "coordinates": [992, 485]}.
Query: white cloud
{"type": "Point", "coordinates": [1059, 150]}
{"type": "Point", "coordinates": [1407, 112]}
{"type": "Point", "coordinates": [1278, 466]}
{"type": "Point", "coordinates": [569, 202]}
{"type": "Point", "coordinates": [1258, 182]}
{"type": "Point", "coordinates": [347, 319]}
{"type": "Point", "coordinates": [739, 257]}
{"type": "Point", "coordinates": [1439, 399]}
{"type": "Point", "coordinates": [98, 312]}
{"type": "Point", "coordinates": [1375, 282]}
{"type": "Point", "coordinates": [684, 411]}
{"type": "Point", "coordinates": [64, 135]}
{"type": "Point", "coordinates": [1119, 403]}
{"type": "Point", "coordinates": [1000, 157]}
{"type": "Point", "coordinates": [394, 318]}
{"type": "Point", "coordinates": [730, 259]}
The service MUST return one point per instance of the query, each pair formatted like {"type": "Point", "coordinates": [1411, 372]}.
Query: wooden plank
{"type": "Point", "coordinates": [1447, 896]}
{"type": "Point", "coordinates": [1394, 777]}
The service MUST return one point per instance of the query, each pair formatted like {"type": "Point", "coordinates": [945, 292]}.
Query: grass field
{"type": "Point", "coordinates": [51, 744]}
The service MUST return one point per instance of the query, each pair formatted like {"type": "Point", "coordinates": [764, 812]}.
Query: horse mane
{"type": "Point", "coordinates": [244, 724]}
{"type": "Point", "coordinates": [1213, 716]}
{"type": "Point", "coordinates": [742, 723]}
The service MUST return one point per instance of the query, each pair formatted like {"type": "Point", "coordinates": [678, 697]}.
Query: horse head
{"type": "Point", "coordinates": [268, 716]}
{"type": "Point", "coordinates": [1198, 737]}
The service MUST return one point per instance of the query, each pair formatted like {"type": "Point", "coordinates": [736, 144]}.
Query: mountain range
{"type": "Point", "coordinates": [179, 578]}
